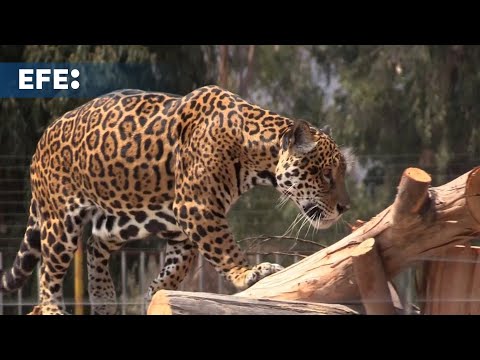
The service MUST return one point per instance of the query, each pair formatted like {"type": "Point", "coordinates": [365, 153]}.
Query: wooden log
{"type": "Point", "coordinates": [167, 302]}
{"type": "Point", "coordinates": [397, 303]}
{"type": "Point", "coordinates": [452, 282]}
{"type": "Point", "coordinates": [371, 279]}
{"type": "Point", "coordinates": [421, 221]}
{"type": "Point", "coordinates": [474, 297]}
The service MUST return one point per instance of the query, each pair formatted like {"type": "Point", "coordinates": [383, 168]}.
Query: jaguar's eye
{"type": "Point", "coordinates": [327, 174]}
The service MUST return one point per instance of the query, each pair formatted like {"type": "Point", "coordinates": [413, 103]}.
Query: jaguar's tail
{"type": "Point", "coordinates": [26, 259]}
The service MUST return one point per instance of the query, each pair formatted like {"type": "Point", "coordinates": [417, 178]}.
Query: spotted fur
{"type": "Point", "coordinates": [138, 163]}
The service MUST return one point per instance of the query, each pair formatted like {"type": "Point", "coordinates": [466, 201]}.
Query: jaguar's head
{"type": "Point", "coordinates": [311, 172]}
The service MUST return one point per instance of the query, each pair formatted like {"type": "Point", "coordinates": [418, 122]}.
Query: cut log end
{"type": "Point", "coordinates": [160, 306]}
{"type": "Point", "coordinates": [417, 175]}
{"type": "Point", "coordinates": [472, 193]}
{"type": "Point", "coordinates": [412, 193]}
{"type": "Point", "coordinates": [363, 247]}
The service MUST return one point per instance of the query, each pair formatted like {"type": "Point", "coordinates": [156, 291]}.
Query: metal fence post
{"type": "Point", "coordinates": [1, 294]}
{"type": "Point", "coordinates": [19, 301]}
{"type": "Point", "coordinates": [258, 259]}
{"type": "Point", "coordinates": [38, 282]}
{"type": "Point", "coordinates": [201, 277]}
{"type": "Point", "coordinates": [277, 259]}
{"type": "Point", "coordinates": [141, 276]}
{"type": "Point", "coordinates": [220, 284]}
{"type": "Point", "coordinates": [124, 281]}
{"type": "Point", "coordinates": [409, 292]}
{"type": "Point", "coordinates": [162, 259]}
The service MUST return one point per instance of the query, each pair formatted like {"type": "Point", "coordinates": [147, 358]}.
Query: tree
{"type": "Point", "coordinates": [424, 94]}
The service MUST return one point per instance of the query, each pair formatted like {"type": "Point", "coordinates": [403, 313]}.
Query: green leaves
{"type": "Point", "coordinates": [404, 99]}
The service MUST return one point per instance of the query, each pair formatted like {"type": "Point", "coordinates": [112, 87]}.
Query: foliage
{"type": "Point", "coordinates": [416, 100]}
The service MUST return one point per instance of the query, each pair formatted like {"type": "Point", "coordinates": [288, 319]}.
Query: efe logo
{"type": "Point", "coordinates": [29, 79]}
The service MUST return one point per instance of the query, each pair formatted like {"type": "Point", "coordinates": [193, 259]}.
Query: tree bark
{"type": "Point", "coordinates": [167, 302]}
{"type": "Point", "coordinates": [421, 221]}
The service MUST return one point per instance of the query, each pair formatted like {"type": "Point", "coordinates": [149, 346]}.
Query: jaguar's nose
{"type": "Point", "coordinates": [342, 208]}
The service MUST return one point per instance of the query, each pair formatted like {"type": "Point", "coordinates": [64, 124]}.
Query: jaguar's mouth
{"type": "Point", "coordinates": [317, 216]}
{"type": "Point", "coordinates": [313, 211]}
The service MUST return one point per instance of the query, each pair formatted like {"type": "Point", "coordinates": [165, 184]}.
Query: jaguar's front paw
{"type": "Point", "coordinates": [260, 271]}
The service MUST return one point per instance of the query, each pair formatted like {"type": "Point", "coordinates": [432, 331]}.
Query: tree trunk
{"type": "Point", "coordinates": [246, 79]}
{"type": "Point", "coordinates": [421, 221]}
{"type": "Point", "coordinates": [223, 67]}
{"type": "Point", "coordinates": [167, 302]}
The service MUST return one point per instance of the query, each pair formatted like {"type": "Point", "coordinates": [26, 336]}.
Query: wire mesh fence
{"type": "Point", "coordinates": [132, 286]}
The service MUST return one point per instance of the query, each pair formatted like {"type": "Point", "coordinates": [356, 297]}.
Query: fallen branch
{"type": "Point", "coordinates": [167, 302]}
{"type": "Point", "coordinates": [257, 240]}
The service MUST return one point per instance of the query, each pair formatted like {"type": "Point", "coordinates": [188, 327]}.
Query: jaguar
{"type": "Point", "coordinates": [135, 163]}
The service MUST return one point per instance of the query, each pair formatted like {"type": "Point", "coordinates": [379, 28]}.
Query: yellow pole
{"type": "Point", "coordinates": [79, 279]}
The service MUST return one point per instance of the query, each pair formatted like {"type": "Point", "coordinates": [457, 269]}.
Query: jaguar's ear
{"type": "Point", "coordinates": [299, 138]}
{"type": "Point", "coordinates": [327, 130]}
